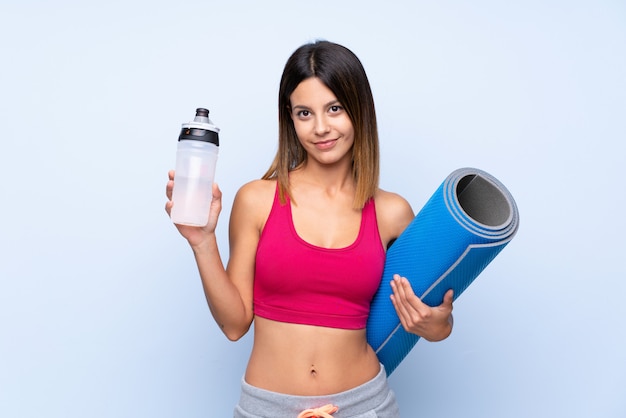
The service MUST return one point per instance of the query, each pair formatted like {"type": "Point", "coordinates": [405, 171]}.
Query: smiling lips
{"type": "Point", "coordinates": [329, 143]}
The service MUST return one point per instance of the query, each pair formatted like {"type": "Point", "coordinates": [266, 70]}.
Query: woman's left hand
{"type": "Point", "coordinates": [431, 323]}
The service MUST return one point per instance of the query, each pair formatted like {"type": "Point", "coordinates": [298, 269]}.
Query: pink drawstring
{"type": "Point", "coordinates": [321, 412]}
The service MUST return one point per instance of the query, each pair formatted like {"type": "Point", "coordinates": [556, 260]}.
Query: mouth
{"type": "Point", "coordinates": [328, 143]}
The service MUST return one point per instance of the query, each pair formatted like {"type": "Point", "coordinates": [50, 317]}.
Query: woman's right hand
{"type": "Point", "coordinates": [196, 235]}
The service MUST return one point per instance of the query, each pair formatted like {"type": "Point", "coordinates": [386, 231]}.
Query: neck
{"type": "Point", "coordinates": [333, 179]}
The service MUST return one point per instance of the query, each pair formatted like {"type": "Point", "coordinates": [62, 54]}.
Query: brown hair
{"type": "Point", "coordinates": [342, 72]}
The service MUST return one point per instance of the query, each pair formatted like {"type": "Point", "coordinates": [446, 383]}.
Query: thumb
{"type": "Point", "coordinates": [448, 297]}
{"type": "Point", "coordinates": [217, 193]}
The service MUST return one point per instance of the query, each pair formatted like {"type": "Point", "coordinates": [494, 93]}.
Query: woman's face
{"type": "Point", "coordinates": [323, 127]}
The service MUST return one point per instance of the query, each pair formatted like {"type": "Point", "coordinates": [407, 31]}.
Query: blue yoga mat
{"type": "Point", "coordinates": [463, 226]}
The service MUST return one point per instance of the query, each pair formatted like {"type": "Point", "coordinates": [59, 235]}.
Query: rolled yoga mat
{"type": "Point", "coordinates": [460, 230]}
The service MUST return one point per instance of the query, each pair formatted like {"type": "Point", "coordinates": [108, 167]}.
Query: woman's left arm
{"type": "Point", "coordinates": [432, 323]}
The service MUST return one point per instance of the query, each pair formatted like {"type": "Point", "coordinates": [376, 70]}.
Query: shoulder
{"type": "Point", "coordinates": [257, 190]}
{"type": "Point", "coordinates": [393, 213]}
{"type": "Point", "coordinates": [392, 205]}
{"type": "Point", "coordinates": [253, 201]}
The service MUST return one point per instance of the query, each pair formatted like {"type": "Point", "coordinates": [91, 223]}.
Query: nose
{"type": "Point", "coordinates": [322, 126]}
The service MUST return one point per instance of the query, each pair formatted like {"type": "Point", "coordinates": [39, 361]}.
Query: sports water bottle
{"type": "Point", "coordinates": [195, 169]}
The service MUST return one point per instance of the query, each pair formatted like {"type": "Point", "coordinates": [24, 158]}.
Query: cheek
{"type": "Point", "coordinates": [348, 129]}
{"type": "Point", "coordinates": [346, 124]}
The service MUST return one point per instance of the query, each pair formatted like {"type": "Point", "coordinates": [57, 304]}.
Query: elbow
{"type": "Point", "coordinates": [235, 333]}
{"type": "Point", "coordinates": [234, 328]}
{"type": "Point", "coordinates": [234, 336]}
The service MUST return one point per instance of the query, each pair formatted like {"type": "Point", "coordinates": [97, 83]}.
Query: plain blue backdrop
{"type": "Point", "coordinates": [101, 309]}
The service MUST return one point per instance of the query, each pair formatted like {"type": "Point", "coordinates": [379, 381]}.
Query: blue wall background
{"type": "Point", "coordinates": [101, 308]}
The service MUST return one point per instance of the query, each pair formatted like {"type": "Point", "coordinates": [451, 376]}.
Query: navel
{"type": "Point", "coordinates": [313, 370]}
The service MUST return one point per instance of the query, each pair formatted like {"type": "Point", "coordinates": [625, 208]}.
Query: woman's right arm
{"type": "Point", "coordinates": [228, 290]}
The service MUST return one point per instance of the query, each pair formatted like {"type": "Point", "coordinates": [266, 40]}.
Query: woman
{"type": "Point", "coordinates": [307, 250]}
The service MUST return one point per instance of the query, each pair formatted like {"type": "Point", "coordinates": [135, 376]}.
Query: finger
{"type": "Point", "coordinates": [169, 188]}
{"type": "Point", "coordinates": [411, 298]}
{"type": "Point", "coordinates": [406, 287]}
{"type": "Point", "coordinates": [400, 285]}
{"type": "Point", "coordinates": [395, 296]}
{"type": "Point", "coordinates": [398, 288]}
{"type": "Point", "coordinates": [399, 302]}
{"type": "Point", "coordinates": [400, 310]}
{"type": "Point", "coordinates": [217, 193]}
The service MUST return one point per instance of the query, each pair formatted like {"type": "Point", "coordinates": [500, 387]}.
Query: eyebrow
{"type": "Point", "coordinates": [329, 104]}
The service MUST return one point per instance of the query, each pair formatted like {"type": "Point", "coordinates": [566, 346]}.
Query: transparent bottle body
{"type": "Point", "coordinates": [193, 182]}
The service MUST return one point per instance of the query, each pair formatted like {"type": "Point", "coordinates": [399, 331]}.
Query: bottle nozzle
{"type": "Point", "coordinates": [202, 115]}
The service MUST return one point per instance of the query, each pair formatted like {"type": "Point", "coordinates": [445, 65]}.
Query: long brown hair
{"type": "Point", "coordinates": [342, 72]}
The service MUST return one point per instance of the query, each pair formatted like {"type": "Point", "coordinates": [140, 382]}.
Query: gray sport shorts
{"type": "Point", "coordinates": [370, 400]}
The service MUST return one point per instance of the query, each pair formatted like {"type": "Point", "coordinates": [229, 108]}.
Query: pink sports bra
{"type": "Point", "coordinates": [301, 283]}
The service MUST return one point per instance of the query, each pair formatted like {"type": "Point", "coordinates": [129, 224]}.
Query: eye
{"type": "Point", "coordinates": [303, 113]}
{"type": "Point", "coordinates": [335, 109]}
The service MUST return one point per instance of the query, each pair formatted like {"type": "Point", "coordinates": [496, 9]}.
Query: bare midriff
{"type": "Point", "coordinates": [308, 360]}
